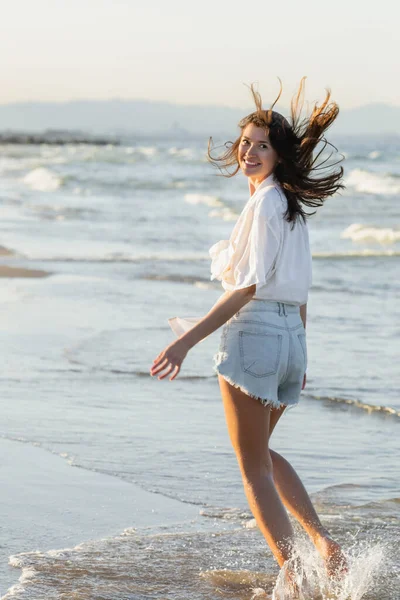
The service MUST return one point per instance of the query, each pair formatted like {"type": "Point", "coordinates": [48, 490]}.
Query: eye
{"type": "Point", "coordinates": [264, 145]}
{"type": "Point", "coordinates": [244, 141]}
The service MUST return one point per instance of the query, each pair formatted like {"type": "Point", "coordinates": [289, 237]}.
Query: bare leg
{"type": "Point", "coordinates": [248, 426]}
{"type": "Point", "coordinates": [296, 499]}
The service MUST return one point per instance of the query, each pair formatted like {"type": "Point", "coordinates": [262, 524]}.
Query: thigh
{"type": "Point", "coordinates": [248, 424]}
{"type": "Point", "coordinates": [276, 414]}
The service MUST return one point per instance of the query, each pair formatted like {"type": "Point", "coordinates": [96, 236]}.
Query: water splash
{"type": "Point", "coordinates": [306, 570]}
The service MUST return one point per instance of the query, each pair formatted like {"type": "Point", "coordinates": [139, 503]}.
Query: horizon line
{"type": "Point", "coordinates": [169, 102]}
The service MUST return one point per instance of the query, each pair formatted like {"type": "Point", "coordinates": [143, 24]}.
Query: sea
{"type": "Point", "coordinates": [122, 231]}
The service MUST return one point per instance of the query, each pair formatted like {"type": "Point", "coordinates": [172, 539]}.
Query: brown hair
{"type": "Point", "coordinates": [294, 143]}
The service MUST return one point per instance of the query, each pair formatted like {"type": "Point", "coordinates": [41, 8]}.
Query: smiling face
{"type": "Point", "coordinates": [257, 158]}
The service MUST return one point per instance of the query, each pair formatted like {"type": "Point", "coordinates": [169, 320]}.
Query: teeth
{"type": "Point", "coordinates": [250, 163]}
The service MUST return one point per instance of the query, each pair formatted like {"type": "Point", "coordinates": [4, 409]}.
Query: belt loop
{"type": "Point", "coordinates": [280, 309]}
{"type": "Point", "coordinates": [284, 310]}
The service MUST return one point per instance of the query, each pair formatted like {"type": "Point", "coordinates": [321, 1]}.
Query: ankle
{"type": "Point", "coordinates": [320, 536]}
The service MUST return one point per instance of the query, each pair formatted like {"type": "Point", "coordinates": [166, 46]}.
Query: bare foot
{"type": "Point", "coordinates": [335, 560]}
{"type": "Point", "coordinates": [292, 589]}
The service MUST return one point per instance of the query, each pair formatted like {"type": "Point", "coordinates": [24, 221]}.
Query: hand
{"type": "Point", "coordinates": [304, 381]}
{"type": "Point", "coordinates": [171, 358]}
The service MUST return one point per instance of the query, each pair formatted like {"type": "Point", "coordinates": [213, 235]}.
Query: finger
{"type": "Point", "coordinates": [159, 356]}
{"type": "Point", "coordinates": [171, 368]}
{"type": "Point", "coordinates": [157, 368]}
{"type": "Point", "coordinates": [175, 374]}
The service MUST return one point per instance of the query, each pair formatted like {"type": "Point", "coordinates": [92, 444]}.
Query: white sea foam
{"type": "Point", "coordinates": [372, 183]}
{"type": "Point", "coordinates": [364, 253]}
{"type": "Point", "coordinates": [186, 152]}
{"type": "Point", "coordinates": [357, 232]}
{"type": "Point", "coordinates": [224, 213]}
{"type": "Point", "coordinates": [146, 150]}
{"type": "Point", "coordinates": [374, 154]}
{"type": "Point", "coordinates": [202, 199]}
{"type": "Point", "coordinates": [42, 180]}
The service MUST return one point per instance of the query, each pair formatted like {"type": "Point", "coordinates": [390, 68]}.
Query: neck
{"type": "Point", "coordinates": [254, 182]}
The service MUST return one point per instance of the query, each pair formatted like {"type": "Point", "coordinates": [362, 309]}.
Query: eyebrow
{"type": "Point", "coordinates": [260, 141]}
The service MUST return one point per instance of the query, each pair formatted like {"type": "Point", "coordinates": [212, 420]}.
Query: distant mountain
{"type": "Point", "coordinates": [163, 118]}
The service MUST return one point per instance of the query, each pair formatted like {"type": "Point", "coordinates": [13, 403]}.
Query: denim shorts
{"type": "Point", "coordinates": [263, 352]}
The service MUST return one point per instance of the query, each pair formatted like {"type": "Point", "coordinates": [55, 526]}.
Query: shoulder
{"type": "Point", "coordinates": [271, 202]}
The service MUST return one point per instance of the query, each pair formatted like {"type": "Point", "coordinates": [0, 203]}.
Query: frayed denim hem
{"type": "Point", "coordinates": [220, 358]}
{"type": "Point", "coordinates": [264, 401]}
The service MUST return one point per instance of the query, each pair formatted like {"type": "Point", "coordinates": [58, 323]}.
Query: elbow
{"type": "Point", "coordinates": [250, 291]}
{"type": "Point", "coordinates": [247, 292]}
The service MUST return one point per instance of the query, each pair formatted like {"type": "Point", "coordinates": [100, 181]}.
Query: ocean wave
{"type": "Point", "coordinates": [176, 278]}
{"type": "Point", "coordinates": [144, 374]}
{"type": "Point", "coordinates": [119, 257]}
{"type": "Point", "coordinates": [374, 154]}
{"type": "Point", "coordinates": [220, 210]}
{"type": "Point", "coordinates": [147, 151]}
{"type": "Point", "coordinates": [225, 213]}
{"type": "Point", "coordinates": [192, 564]}
{"type": "Point", "coordinates": [42, 180]}
{"type": "Point", "coordinates": [181, 152]}
{"type": "Point", "coordinates": [198, 281]}
{"type": "Point", "coordinates": [381, 504]}
{"type": "Point", "coordinates": [62, 213]}
{"type": "Point", "coordinates": [369, 408]}
{"type": "Point", "coordinates": [366, 253]}
{"type": "Point", "coordinates": [202, 199]}
{"type": "Point", "coordinates": [373, 183]}
{"type": "Point", "coordinates": [226, 513]}
{"type": "Point", "coordinates": [71, 358]}
{"type": "Point", "coordinates": [358, 232]}
{"type": "Point", "coordinates": [91, 185]}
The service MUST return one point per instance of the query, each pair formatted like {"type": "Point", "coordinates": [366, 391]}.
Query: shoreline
{"type": "Point", "coordinates": [47, 504]}
{"type": "Point", "coordinates": [7, 272]}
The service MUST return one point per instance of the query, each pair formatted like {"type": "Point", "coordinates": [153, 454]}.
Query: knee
{"type": "Point", "coordinates": [255, 468]}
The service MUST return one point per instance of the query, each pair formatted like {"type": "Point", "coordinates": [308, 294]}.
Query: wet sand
{"type": "Point", "coordinates": [48, 504]}
{"type": "Point", "coordinates": [14, 272]}
{"type": "Point", "coordinates": [8, 271]}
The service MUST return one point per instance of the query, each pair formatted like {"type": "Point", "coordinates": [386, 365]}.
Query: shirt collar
{"type": "Point", "coordinates": [270, 180]}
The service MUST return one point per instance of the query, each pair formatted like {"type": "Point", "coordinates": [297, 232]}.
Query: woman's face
{"type": "Point", "coordinates": [257, 158]}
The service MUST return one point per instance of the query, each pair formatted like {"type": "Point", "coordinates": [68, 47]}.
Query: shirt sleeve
{"type": "Point", "coordinates": [255, 251]}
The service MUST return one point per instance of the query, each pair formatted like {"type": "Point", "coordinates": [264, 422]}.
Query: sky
{"type": "Point", "coordinates": [204, 52]}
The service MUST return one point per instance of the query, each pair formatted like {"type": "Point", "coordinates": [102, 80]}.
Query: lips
{"type": "Point", "coordinates": [251, 163]}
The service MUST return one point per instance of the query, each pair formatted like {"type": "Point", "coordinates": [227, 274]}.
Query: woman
{"type": "Point", "coordinates": [265, 270]}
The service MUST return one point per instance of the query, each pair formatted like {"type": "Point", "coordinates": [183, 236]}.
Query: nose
{"type": "Point", "coordinates": [249, 150]}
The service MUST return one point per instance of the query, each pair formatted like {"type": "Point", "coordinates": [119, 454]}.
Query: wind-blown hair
{"type": "Point", "coordinates": [297, 170]}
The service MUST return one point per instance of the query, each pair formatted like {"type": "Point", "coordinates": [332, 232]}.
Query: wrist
{"type": "Point", "coordinates": [187, 340]}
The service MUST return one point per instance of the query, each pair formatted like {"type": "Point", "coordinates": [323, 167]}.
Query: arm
{"type": "Point", "coordinates": [252, 260]}
{"type": "Point", "coordinates": [171, 358]}
{"type": "Point", "coordinates": [303, 314]}
{"type": "Point", "coordinates": [229, 304]}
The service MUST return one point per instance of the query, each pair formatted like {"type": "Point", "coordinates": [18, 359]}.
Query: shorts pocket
{"type": "Point", "coordinates": [260, 353]}
{"type": "Point", "coordinates": [303, 344]}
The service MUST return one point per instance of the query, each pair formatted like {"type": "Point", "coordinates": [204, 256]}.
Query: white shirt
{"type": "Point", "coordinates": [264, 249]}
